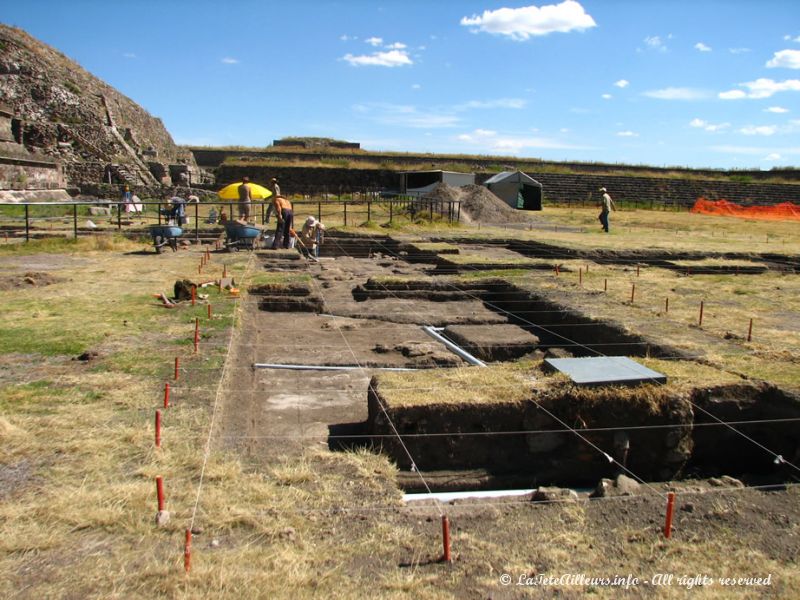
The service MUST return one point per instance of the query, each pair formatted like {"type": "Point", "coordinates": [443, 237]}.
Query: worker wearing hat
{"type": "Point", "coordinates": [273, 187]}
{"type": "Point", "coordinates": [311, 235]}
{"type": "Point", "coordinates": [606, 206]}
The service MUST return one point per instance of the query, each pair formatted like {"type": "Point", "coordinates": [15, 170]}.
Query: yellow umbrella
{"type": "Point", "coordinates": [231, 192]}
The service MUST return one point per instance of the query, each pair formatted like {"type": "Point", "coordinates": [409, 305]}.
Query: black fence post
{"type": "Point", "coordinates": [75, 220]}
{"type": "Point", "coordinates": [27, 224]}
{"type": "Point", "coordinates": [319, 209]}
{"type": "Point", "coordinates": [345, 214]}
{"type": "Point", "coordinates": [196, 222]}
{"type": "Point", "coordinates": [391, 204]}
{"type": "Point", "coordinates": [119, 217]}
{"type": "Point", "coordinates": [430, 206]}
{"type": "Point", "coordinates": [369, 211]}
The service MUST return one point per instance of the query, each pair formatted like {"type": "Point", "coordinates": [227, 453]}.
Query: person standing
{"type": "Point", "coordinates": [273, 187]}
{"type": "Point", "coordinates": [285, 215]}
{"type": "Point", "coordinates": [245, 199]}
{"type": "Point", "coordinates": [606, 206]}
{"type": "Point", "coordinates": [127, 199]}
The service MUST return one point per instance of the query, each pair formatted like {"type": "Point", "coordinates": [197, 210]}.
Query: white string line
{"type": "Point", "coordinates": [466, 292]}
{"type": "Point", "coordinates": [521, 431]}
{"type": "Point", "coordinates": [524, 500]}
{"type": "Point", "coordinates": [554, 417]}
{"type": "Point", "coordinates": [386, 414]}
{"type": "Point", "coordinates": [774, 454]}
{"type": "Point", "coordinates": [207, 449]}
{"type": "Point", "coordinates": [608, 263]}
{"type": "Point", "coordinates": [671, 357]}
{"type": "Point", "coordinates": [113, 231]}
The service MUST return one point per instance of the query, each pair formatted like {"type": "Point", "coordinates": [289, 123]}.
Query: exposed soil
{"type": "Point", "coordinates": [272, 414]}
{"type": "Point", "coordinates": [479, 205]}
{"type": "Point", "coordinates": [28, 279]}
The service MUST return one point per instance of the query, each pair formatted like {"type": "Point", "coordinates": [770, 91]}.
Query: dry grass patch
{"type": "Point", "coordinates": [507, 383]}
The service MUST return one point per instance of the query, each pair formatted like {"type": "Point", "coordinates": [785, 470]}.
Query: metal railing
{"type": "Point", "coordinates": [44, 219]}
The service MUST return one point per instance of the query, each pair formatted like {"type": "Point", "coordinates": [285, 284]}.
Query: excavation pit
{"type": "Point", "coordinates": [277, 297]}
{"type": "Point", "coordinates": [515, 425]}
{"type": "Point", "coordinates": [493, 342]}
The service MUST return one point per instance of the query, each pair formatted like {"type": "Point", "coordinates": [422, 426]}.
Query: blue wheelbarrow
{"type": "Point", "coordinates": [165, 235]}
{"type": "Point", "coordinates": [238, 235]}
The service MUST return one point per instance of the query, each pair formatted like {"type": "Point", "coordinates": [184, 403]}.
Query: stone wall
{"type": "Point", "coordinates": [557, 187]}
{"type": "Point", "coordinates": [21, 174]}
{"type": "Point", "coordinates": [312, 180]}
{"type": "Point", "coordinates": [213, 157]}
{"type": "Point", "coordinates": [156, 192]}
{"type": "Point", "coordinates": [572, 188]}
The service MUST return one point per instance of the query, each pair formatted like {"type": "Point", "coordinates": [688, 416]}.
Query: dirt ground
{"type": "Point", "coordinates": [334, 525]}
{"type": "Point", "coordinates": [501, 545]}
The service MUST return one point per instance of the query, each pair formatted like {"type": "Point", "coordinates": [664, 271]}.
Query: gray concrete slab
{"type": "Point", "coordinates": [605, 370]}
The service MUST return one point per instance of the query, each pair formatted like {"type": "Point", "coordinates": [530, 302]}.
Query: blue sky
{"type": "Point", "coordinates": [696, 83]}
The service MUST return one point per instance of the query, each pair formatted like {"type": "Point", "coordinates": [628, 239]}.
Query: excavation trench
{"type": "Point", "coordinates": [566, 437]}
{"type": "Point", "coordinates": [558, 434]}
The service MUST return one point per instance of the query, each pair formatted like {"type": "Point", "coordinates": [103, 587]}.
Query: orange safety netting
{"type": "Point", "coordinates": [785, 211]}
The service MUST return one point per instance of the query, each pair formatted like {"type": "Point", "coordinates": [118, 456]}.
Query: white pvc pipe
{"type": "Point", "coordinates": [431, 331]}
{"type": "Point", "coordinates": [448, 496]}
{"type": "Point", "coordinates": [326, 367]}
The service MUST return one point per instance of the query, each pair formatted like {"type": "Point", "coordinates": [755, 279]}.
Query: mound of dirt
{"type": "Point", "coordinates": [31, 279]}
{"type": "Point", "coordinates": [478, 204]}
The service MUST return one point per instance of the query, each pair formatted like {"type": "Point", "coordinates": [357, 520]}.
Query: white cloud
{"type": "Point", "coordinates": [513, 103]}
{"type": "Point", "coordinates": [521, 23]}
{"type": "Point", "coordinates": [789, 38]}
{"type": "Point", "coordinates": [230, 61]}
{"type": "Point", "coordinates": [776, 109]}
{"type": "Point", "coordinates": [606, 96]}
{"type": "Point", "coordinates": [787, 59]}
{"type": "Point", "coordinates": [627, 134]}
{"type": "Point", "coordinates": [676, 93]}
{"type": "Point", "coordinates": [738, 50]}
{"type": "Point", "coordinates": [492, 142]}
{"type": "Point", "coordinates": [415, 86]}
{"type": "Point", "coordinates": [476, 135]}
{"type": "Point", "coordinates": [732, 95]}
{"type": "Point", "coordinates": [773, 156]}
{"type": "Point", "coordinates": [392, 58]}
{"type": "Point", "coordinates": [396, 46]}
{"type": "Point", "coordinates": [759, 130]}
{"type": "Point", "coordinates": [129, 55]}
{"type": "Point", "coordinates": [701, 124]}
{"type": "Point", "coordinates": [374, 41]}
{"type": "Point", "coordinates": [761, 88]}
{"type": "Point", "coordinates": [564, 130]}
{"type": "Point", "coordinates": [757, 150]}
{"type": "Point", "coordinates": [404, 115]}
{"type": "Point", "coordinates": [702, 47]}
{"type": "Point", "coordinates": [622, 83]}
{"type": "Point", "coordinates": [655, 43]}
{"type": "Point", "coordinates": [347, 38]}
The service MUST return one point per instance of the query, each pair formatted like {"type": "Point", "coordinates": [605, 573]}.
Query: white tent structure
{"type": "Point", "coordinates": [516, 189]}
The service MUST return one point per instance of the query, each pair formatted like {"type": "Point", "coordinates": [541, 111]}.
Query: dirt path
{"type": "Point", "coordinates": [270, 412]}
